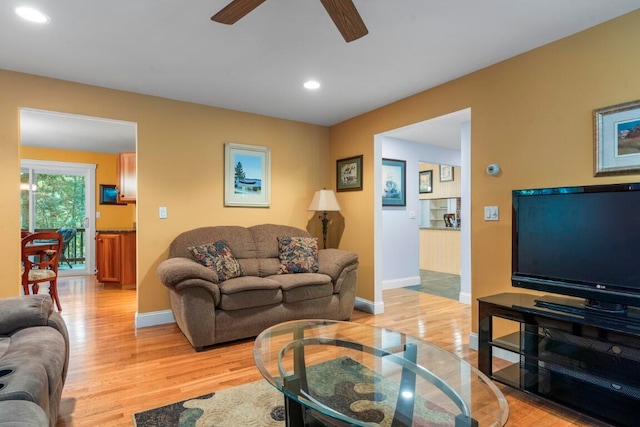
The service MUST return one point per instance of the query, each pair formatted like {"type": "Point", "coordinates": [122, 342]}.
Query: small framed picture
{"type": "Point", "coordinates": [349, 174]}
{"type": "Point", "coordinates": [446, 173]}
{"type": "Point", "coordinates": [247, 175]}
{"type": "Point", "coordinates": [617, 139]}
{"type": "Point", "coordinates": [425, 183]}
{"type": "Point", "coordinates": [394, 179]}
{"type": "Point", "coordinates": [109, 195]}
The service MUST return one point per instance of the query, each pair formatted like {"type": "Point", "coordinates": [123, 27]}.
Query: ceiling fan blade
{"type": "Point", "coordinates": [235, 10]}
{"type": "Point", "coordinates": [346, 17]}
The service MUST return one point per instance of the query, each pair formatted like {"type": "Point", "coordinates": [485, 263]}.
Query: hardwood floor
{"type": "Point", "coordinates": [116, 371]}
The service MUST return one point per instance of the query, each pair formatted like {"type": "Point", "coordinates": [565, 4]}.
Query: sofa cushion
{"type": "Point", "coordinates": [298, 255]}
{"type": "Point", "coordinates": [218, 257]}
{"type": "Point", "coordinates": [249, 291]}
{"type": "Point", "coordinates": [265, 238]}
{"type": "Point", "coordinates": [303, 286]}
{"type": "Point", "coordinates": [239, 239]}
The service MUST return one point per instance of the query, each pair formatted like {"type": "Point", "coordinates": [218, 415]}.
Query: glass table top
{"type": "Point", "coordinates": [363, 375]}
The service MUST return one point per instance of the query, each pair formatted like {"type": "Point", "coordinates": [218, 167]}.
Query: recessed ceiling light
{"type": "Point", "coordinates": [31, 14]}
{"type": "Point", "coordinates": [312, 84]}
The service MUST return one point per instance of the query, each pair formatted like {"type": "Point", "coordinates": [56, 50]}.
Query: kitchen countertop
{"type": "Point", "coordinates": [441, 228]}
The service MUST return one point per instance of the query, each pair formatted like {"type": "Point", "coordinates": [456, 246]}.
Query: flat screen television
{"type": "Point", "coordinates": [581, 241]}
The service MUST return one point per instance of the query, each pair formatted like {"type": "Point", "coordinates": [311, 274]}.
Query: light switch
{"type": "Point", "coordinates": [97, 214]}
{"type": "Point", "coordinates": [162, 212]}
{"type": "Point", "coordinates": [412, 214]}
{"type": "Point", "coordinates": [491, 213]}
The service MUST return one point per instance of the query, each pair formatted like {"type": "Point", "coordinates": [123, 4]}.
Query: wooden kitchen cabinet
{"type": "Point", "coordinates": [116, 257]}
{"type": "Point", "coordinates": [127, 178]}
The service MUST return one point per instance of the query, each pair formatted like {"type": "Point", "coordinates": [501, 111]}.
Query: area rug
{"type": "Point", "coordinates": [342, 383]}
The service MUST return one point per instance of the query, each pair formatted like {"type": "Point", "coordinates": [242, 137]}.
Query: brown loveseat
{"type": "Point", "coordinates": [208, 312]}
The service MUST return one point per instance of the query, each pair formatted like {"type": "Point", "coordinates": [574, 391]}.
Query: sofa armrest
{"type": "Point", "coordinates": [174, 271]}
{"type": "Point", "coordinates": [181, 273]}
{"type": "Point", "coordinates": [24, 312]}
{"type": "Point", "coordinates": [333, 261]}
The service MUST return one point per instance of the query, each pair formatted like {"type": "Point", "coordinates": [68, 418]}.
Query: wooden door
{"type": "Point", "coordinates": [109, 257]}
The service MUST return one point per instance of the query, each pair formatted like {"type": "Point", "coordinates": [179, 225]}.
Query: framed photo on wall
{"type": "Point", "coordinates": [109, 195]}
{"type": "Point", "coordinates": [349, 174]}
{"type": "Point", "coordinates": [425, 182]}
{"type": "Point", "coordinates": [446, 173]}
{"type": "Point", "coordinates": [617, 139]}
{"type": "Point", "coordinates": [394, 182]}
{"type": "Point", "coordinates": [247, 175]}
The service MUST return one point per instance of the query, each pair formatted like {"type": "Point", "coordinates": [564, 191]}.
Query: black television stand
{"type": "Point", "coordinates": [585, 360]}
{"type": "Point", "coordinates": [602, 312]}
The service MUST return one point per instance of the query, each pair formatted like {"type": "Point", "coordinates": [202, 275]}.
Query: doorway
{"type": "Point", "coordinates": [59, 196]}
{"type": "Point", "coordinates": [56, 140]}
{"type": "Point", "coordinates": [425, 141]}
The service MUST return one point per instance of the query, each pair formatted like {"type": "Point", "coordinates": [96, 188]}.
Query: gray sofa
{"type": "Point", "coordinates": [210, 313]}
{"type": "Point", "coordinates": [34, 358]}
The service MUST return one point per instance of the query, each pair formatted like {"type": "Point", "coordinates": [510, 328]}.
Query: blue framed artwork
{"type": "Point", "coordinates": [394, 182]}
{"type": "Point", "coordinates": [109, 195]}
{"type": "Point", "coordinates": [246, 175]}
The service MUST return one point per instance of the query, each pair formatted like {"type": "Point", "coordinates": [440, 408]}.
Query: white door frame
{"type": "Point", "coordinates": [88, 170]}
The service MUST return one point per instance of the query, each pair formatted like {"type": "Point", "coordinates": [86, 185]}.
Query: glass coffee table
{"type": "Point", "coordinates": [349, 374]}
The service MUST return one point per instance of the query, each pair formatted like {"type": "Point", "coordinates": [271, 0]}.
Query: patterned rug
{"type": "Point", "coordinates": [342, 383]}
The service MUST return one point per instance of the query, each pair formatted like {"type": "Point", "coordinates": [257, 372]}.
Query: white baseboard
{"type": "Point", "coordinates": [401, 283]}
{"type": "Point", "coordinates": [465, 298]}
{"type": "Point", "coordinates": [473, 341]}
{"type": "Point", "coordinates": [154, 318]}
{"type": "Point", "coordinates": [496, 352]}
{"type": "Point", "coordinates": [369, 306]}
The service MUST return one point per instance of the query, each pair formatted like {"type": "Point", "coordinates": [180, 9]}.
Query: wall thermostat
{"type": "Point", "coordinates": [493, 169]}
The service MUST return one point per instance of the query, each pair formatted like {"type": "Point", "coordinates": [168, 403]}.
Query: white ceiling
{"type": "Point", "coordinates": [49, 129]}
{"type": "Point", "coordinates": [172, 49]}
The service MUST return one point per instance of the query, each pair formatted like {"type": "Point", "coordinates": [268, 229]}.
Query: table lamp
{"type": "Point", "coordinates": [324, 201]}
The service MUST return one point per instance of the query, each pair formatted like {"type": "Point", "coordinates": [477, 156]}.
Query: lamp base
{"type": "Point", "coordinates": [325, 228]}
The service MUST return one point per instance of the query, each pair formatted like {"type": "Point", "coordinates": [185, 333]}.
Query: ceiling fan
{"type": "Point", "coordinates": [342, 12]}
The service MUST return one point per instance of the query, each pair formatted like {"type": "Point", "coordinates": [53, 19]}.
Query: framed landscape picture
{"type": "Point", "coordinates": [617, 139]}
{"type": "Point", "coordinates": [425, 183]}
{"type": "Point", "coordinates": [349, 174]}
{"type": "Point", "coordinates": [394, 180]}
{"type": "Point", "coordinates": [246, 175]}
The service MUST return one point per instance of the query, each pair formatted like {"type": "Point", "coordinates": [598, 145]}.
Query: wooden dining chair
{"type": "Point", "coordinates": [40, 253]}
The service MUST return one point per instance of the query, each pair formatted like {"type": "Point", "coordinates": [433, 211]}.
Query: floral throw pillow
{"type": "Point", "coordinates": [298, 255]}
{"type": "Point", "coordinates": [218, 257]}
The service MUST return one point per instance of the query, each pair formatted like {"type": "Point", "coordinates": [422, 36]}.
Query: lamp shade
{"type": "Point", "coordinates": [324, 201]}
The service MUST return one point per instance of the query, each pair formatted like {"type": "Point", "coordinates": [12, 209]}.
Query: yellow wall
{"type": "Point", "coordinates": [180, 165]}
{"type": "Point", "coordinates": [111, 216]}
{"type": "Point", "coordinates": [530, 114]}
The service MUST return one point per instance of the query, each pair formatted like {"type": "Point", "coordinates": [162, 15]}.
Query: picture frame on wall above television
{"type": "Point", "coordinates": [616, 132]}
